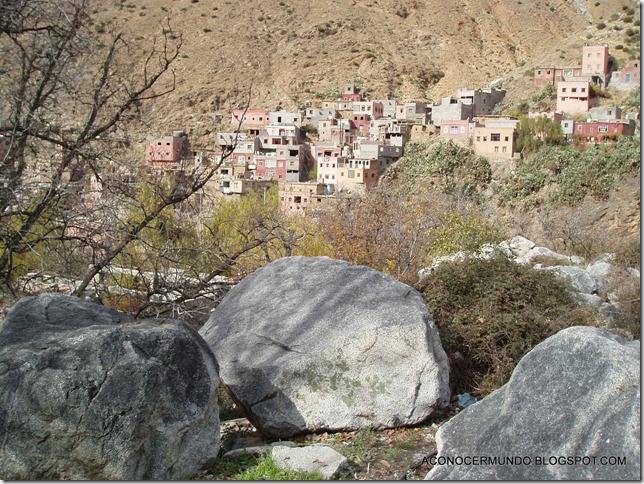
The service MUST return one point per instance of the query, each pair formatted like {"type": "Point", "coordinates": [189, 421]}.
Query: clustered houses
{"type": "Point", "coordinates": [575, 96]}
{"type": "Point", "coordinates": [357, 139]}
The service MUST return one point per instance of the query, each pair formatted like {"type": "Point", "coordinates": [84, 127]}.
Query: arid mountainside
{"type": "Point", "coordinates": [293, 51]}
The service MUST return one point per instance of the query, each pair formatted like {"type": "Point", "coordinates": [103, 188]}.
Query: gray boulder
{"type": "Point", "coordinates": [570, 411]}
{"type": "Point", "coordinates": [90, 393]}
{"type": "Point", "coordinates": [580, 279]}
{"type": "Point", "coordinates": [520, 245]}
{"type": "Point", "coordinates": [314, 344]}
{"type": "Point", "coordinates": [316, 458]}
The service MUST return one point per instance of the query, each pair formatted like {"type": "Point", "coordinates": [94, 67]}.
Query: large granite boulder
{"type": "Point", "coordinates": [570, 411]}
{"type": "Point", "coordinates": [313, 344]}
{"type": "Point", "coordinates": [90, 393]}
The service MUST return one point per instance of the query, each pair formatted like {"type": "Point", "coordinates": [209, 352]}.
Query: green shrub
{"type": "Point", "coordinates": [490, 313]}
{"type": "Point", "coordinates": [601, 26]}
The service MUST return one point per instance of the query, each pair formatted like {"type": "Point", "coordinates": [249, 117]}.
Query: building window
{"type": "Point", "coordinates": [495, 137]}
{"type": "Point", "coordinates": [496, 149]}
{"type": "Point", "coordinates": [445, 129]}
{"type": "Point", "coordinates": [453, 129]}
{"type": "Point", "coordinates": [574, 89]}
{"type": "Point", "coordinates": [478, 138]}
{"type": "Point", "coordinates": [507, 138]}
{"type": "Point", "coordinates": [563, 89]}
{"type": "Point", "coordinates": [484, 138]}
{"type": "Point", "coordinates": [583, 89]}
{"type": "Point", "coordinates": [603, 129]}
{"type": "Point", "coordinates": [504, 149]}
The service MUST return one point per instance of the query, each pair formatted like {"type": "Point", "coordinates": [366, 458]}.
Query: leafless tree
{"type": "Point", "coordinates": [72, 199]}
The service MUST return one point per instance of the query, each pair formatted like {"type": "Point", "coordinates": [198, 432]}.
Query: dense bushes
{"type": "Point", "coordinates": [491, 313]}
{"type": "Point", "coordinates": [451, 168]}
{"type": "Point", "coordinates": [570, 174]}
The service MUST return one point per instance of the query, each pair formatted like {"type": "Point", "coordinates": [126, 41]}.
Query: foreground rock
{"type": "Point", "coordinates": [314, 458]}
{"type": "Point", "coordinates": [89, 393]}
{"type": "Point", "coordinates": [313, 344]}
{"type": "Point", "coordinates": [571, 411]}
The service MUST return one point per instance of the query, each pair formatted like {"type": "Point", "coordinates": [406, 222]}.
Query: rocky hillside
{"type": "Point", "coordinates": [293, 51]}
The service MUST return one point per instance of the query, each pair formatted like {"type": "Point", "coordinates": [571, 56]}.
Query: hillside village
{"type": "Point", "coordinates": [345, 145]}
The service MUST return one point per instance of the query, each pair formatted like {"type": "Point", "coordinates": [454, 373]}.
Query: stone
{"type": "Point", "coordinates": [601, 271]}
{"type": "Point", "coordinates": [314, 344]}
{"type": "Point", "coordinates": [92, 394]}
{"type": "Point", "coordinates": [633, 272]}
{"type": "Point", "coordinates": [575, 396]}
{"type": "Point", "coordinates": [543, 252]}
{"type": "Point", "coordinates": [521, 245]}
{"type": "Point", "coordinates": [580, 279]}
{"type": "Point", "coordinates": [591, 299]}
{"type": "Point", "coordinates": [311, 458]}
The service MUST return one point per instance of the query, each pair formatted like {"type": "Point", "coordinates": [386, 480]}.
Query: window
{"type": "Point", "coordinates": [563, 89]}
{"type": "Point", "coordinates": [478, 138]}
{"type": "Point", "coordinates": [507, 138]}
{"type": "Point", "coordinates": [453, 129]}
{"type": "Point", "coordinates": [496, 149]}
{"type": "Point", "coordinates": [574, 89]}
{"type": "Point", "coordinates": [495, 137]}
{"type": "Point", "coordinates": [484, 138]}
{"type": "Point", "coordinates": [445, 129]}
{"type": "Point", "coordinates": [603, 129]}
{"type": "Point", "coordinates": [462, 129]}
{"type": "Point", "coordinates": [504, 149]}
{"type": "Point", "coordinates": [583, 89]}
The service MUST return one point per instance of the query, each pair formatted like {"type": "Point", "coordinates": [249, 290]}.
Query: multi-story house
{"type": "Point", "coordinates": [574, 97]}
{"type": "Point", "coordinates": [413, 111]}
{"type": "Point", "coordinates": [360, 123]}
{"type": "Point", "coordinates": [351, 94]}
{"type": "Point", "coordinates": [326, 156]}
{"type": "Point", "coordinates": [342, 133]}
{"type": "Point", "coordinates": [451, 109]}
{"type": "Point", "coordinates": [253, 118]}
{"type": "Point", "coordinates": [296, 197]}
{"type": "Point", "coordinates": [460, 129]}
{"type": "Point", "coordinates": [166, 150]}
{"type": "Point", "coordinates": [236, 186]}
{"type": "Point", "coordinates": [388, 107]}
{"type": "Point", "coordinates": [595, 60]}
{"type": "Point", "coordinates": [552, 75]}
{"type": "Point", "coordinates": [627, 78]}
{"type": "Point", "coordinates": [605, 113]}
{"type": "Point", "coordinates": [280, 118]}
{"type": "Point", "coordinates": [603, 131]}
{"type": "Point", "coordinates": [314, 115]}
{"type": "Point", "coordinates": [373, 109]}
{"type": "Point", "coordinates": [355, 175]}
{"type": "Point", "coordinates": [482, 100]}
{"type": "Point", "coordinates": [388, 155]}
{"type": "Point", "coordinates": [389, 131]}
{"type": "Point", "coordinates": [495, 138]}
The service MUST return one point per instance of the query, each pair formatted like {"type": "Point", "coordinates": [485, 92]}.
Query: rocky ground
{"type": "Point", "coordinates": [389, 454]}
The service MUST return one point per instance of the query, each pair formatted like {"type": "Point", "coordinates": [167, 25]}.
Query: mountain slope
{"type": "Point", "coordinates": [286, 52]}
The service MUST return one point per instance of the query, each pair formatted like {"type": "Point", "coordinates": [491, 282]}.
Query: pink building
{"type": "Point", "coordinates": [326, 157]}
{"type": "Point", "coordinates": [552, 75]}
{"type": "Point", "coordinates": [351, 94]}
{"type": "Point", "coordinates": [601, 132]}
{"type": "Point", "coordinates": [574, 97]}
{"type": "Point", "coordinates": [456, 129]}
{"type": "Point", "coordinates": [595, 60]}
{"type": "Point", "coordinates": [295, 197]}
{"type": "Point", "coordinates": [249, 117]}
{"type": "Point", "coordinates": [628, 78]}
{"type": "Point", "coordinates": [361, 122]}
{"type": "Point", "coordinates": [166, 149]}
